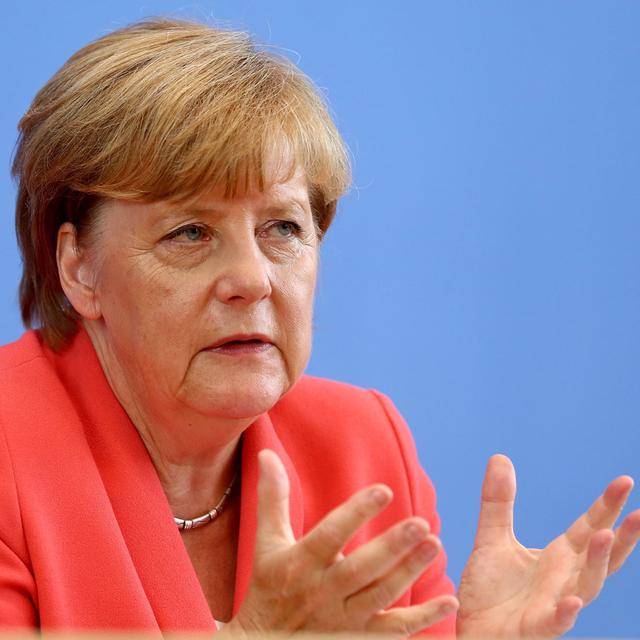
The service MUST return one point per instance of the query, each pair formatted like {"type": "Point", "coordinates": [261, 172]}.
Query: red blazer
{"type": "Point", "coordinates": [87, 539]}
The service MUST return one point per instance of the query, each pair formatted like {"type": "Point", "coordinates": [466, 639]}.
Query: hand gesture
{"type": "Point", "coordinates": [310, 585]}
{"type": "Point", "coordinates": [508, 590]}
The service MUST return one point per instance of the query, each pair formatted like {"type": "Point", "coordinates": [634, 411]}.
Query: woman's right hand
{"type": "Point", "coordinates": [309, 585]}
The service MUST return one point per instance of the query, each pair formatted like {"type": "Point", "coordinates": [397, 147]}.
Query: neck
{"type": "Point", "coordinates": [193, 488]}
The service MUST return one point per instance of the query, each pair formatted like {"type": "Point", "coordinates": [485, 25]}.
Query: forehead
{"type": "Point", "coordinates": [281, 192]}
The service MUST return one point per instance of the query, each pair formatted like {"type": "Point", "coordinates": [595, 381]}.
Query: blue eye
{"type": "Point", "coordinates": [190, 233]}
{"type": "Point", "coordinates": [287, 229]}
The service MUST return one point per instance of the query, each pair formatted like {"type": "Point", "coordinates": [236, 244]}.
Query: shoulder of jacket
{"type": "Point", "coordinates": [25, 349]}
{"type": "Point", "coordinates": [315, 388]}
{"type": "Point", "coordinates": [311, 395]}
{"type": "Point", "coordinates": [326, 410]}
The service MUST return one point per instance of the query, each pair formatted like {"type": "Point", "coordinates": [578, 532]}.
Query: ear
{"type": "Point", "coordinates": [77, 273]}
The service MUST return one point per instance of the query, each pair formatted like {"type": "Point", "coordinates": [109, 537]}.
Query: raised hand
{"type": "Point", "coordinates": [508, 590]}
{"type": "Point", "coordinates": [310, 585]}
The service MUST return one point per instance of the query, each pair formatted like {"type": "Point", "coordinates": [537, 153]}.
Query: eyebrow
{"type": "Point", "coordinates": [279, 206]}
{"type": "Point", "coordinates": [287, 205]}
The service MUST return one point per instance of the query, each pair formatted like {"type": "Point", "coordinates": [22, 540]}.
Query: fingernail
{"type": "Point", "coordinates": [413, 533]}
{"type": "Point", "coordinates": [378, 497]}
{"type": "Point", "coordinates": [425, 553]}
{"type": "Point", "coordinates": [448, 607]}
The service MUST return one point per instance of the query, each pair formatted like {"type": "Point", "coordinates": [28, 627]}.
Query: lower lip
{"type": "Point", "coordinates": [242, 348]}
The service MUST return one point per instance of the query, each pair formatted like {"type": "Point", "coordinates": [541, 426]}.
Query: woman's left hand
{"type": "Point", "coordinates": [509, 590]}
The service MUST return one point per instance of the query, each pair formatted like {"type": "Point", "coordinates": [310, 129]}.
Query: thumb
{"type": "Point", "coordinates": [496, 508]}
{"type": "Point", "coordinates": [274, 526]}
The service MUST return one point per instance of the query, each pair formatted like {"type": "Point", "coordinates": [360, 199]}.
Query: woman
{"type": "Point", "coordinates": [164, 462]}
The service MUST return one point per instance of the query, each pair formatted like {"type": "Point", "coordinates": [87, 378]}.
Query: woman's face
{"type": "Point", "coordinates": [208, 306]}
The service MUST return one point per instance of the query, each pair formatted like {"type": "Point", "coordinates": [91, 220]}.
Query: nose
{"type": "Point", "coordinates": [243, 278]}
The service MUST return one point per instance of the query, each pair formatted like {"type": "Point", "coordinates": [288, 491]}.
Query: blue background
{"type": "Point", "coordinates": [485, 269]}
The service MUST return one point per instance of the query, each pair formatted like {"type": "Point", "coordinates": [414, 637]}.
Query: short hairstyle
{"type": "Point", "coordinates": [159, 110]}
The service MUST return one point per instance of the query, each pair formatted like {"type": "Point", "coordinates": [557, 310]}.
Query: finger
{"type": "Point", "coordinates": [274, 527]}
{"type": "Point", "coordinates": [378, 556]}
{"type": "Point", "coordinates": [385, 591]}
{"type": "Point", "coordinates": [596, 566]}
{"type": "Point", "coordinates": [602, 514]}
{"type": "Point", "coordinates": [496, 508]}
{"type": "Point", "coordinates": [565, 616]}
{"type": "Point", "coordinates": [627, 536]}
{"type": "Point", "coordinates": [405, 621]}
{"type": "Point", "coordinates": [333, 532]}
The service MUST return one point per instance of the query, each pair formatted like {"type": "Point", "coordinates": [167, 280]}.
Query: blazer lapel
{"type": "Point", "coordinates": [260, 435]}
{"type": "Point", "coordinates": [141, 510]}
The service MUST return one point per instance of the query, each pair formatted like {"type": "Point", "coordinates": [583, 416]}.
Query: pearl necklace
{"type": "Point", "coordinates": [210, 516]}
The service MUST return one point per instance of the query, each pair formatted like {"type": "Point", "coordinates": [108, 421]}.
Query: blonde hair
{"type": "Point", "coordinates": [160, 110]}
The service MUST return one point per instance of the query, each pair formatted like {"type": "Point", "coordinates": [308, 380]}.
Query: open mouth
{"type": "Point", "coordinates": [239, 347]}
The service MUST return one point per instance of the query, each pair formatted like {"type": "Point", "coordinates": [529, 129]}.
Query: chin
{"type": "Point", "coordinates": [242, 402]}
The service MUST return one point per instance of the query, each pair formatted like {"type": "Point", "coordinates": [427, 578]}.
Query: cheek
{"type": "Point", "coordinates": [147, 312]}
{"type": "Point", "coordinates": [153, 290]}
{"type": "Point", "coordinates": [298, 290]}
